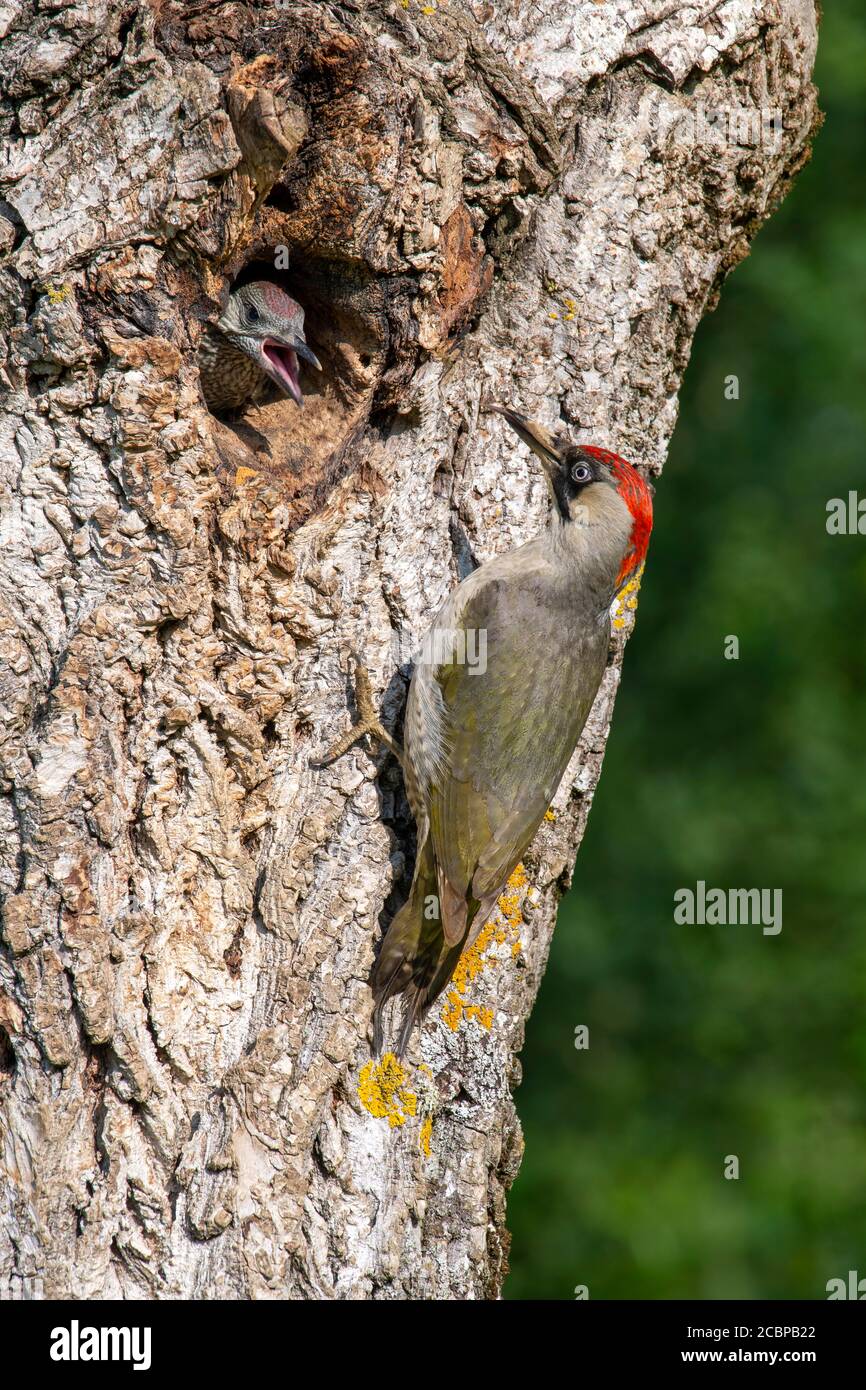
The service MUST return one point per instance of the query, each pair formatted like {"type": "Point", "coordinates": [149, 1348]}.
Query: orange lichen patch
{"type": "Point", "coordinates": [452, 1010]}
{"type": "Point", "coordinates": [484, 1016]}
{"type": "Point", "coordinates": [384, 1092]}
{"type": "Point", "coordinates": [626, 601]}
{"type": "Point", "coordinates": [504, 927]}
{"type": "Point", "coordinates": [424, 1136]}
{"type": "Point", "coordinates": [568, 307]}
{"type": "Point", "coordinates": [509, 902]}
{"type": "Point", "coordinates": [242, 474]}
{"type": "Point", "coordinates": [428, 1104]}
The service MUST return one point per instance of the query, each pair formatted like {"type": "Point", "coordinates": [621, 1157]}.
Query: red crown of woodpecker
{"type": "Point", "coordinates": [277, 300]}
{"type": "Point", "coordinates": [637, 496]}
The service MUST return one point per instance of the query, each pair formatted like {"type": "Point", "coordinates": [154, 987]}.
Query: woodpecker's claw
{"type": "Point", "coordinates": [368, 723]}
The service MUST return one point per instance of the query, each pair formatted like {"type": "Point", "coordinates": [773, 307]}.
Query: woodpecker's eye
{"type": "Point", "coordinates": [581, 472]}
{"type": "Point", "coordinates": [252, 313]}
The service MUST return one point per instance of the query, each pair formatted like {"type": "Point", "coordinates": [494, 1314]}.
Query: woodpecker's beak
{"type": "Point", "coordinates": [307, 353]}
{"type": "Point", "coordinates": [279, 358]}
{"type": "Point", "coordinates": [540, 441]}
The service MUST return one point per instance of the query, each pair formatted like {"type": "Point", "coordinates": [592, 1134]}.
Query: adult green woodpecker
{"type": "Point", "coordinates": [259, 337]}
{"type": "Point", "coordinates": [487, 741]}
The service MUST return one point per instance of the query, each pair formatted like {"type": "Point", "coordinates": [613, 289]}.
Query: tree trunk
{"type": "Point", "coordinates": [528, 204]}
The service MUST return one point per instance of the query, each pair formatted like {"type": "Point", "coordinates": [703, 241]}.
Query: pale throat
{"type": "Point", "coordinates": [594, 542]}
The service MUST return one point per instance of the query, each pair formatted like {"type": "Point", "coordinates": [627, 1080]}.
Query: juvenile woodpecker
{"type": "Point", "coordinates": [486, 747]}
{"type": "Point", "coordinates": [260, 336]}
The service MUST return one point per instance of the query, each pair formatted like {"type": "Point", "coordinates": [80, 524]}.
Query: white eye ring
{"type": "Point", "coordinates": [581, 473]}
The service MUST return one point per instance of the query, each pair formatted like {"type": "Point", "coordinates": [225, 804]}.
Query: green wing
{"type": "Point", "coordinates": [509, 732]}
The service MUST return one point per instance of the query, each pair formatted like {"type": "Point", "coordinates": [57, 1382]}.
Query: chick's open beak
{"type": "Point", "coordinates": [307, 353]}
{"type": "Point", "coordinates": [279, 358]}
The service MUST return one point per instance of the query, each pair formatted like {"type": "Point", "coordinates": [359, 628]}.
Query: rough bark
{"type": "Point", "coordinates": [479, 201]}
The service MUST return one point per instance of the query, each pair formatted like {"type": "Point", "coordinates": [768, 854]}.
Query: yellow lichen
{"type": "Point", "coordinates": [482, 1015]}
{"type": "Point", "coordinates": [452, 1010]}
{"type": "Point", "coordinates": [550, 814]}
{"type": "Point", "coordinates": [626, 601]}
{"type": "Point", "coordinates": [384, 1093]}
{"type": "Point", "coordinates": [501, 929]}
{"type": "Point", "coordinates": [57, 295]}
{"type": "Point", "coordinates": [428, 1104]}
{"type": "Point", "coordinates": [568, 308]}
{"type": "Point", "coordinates": [424, 1136]}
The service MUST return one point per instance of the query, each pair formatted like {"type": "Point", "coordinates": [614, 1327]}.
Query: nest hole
{"type": "Point", "coordinates": [8, 1060]}
{"type": "Point", "coordinates": [346, 325]}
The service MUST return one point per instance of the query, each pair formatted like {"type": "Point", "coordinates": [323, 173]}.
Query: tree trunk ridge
{"type": "Point", "coordinates": [530, 204]}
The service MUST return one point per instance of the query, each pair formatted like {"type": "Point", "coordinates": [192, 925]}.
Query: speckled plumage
{"type": "Point", "coordinates": [229, 377]}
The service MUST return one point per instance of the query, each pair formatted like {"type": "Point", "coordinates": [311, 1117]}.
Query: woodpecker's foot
{"type": "Point", "coordinates": [368, 723]}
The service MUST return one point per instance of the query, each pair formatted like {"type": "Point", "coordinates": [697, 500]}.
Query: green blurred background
{"type": "Point", "coordinates": [710, 1040]}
